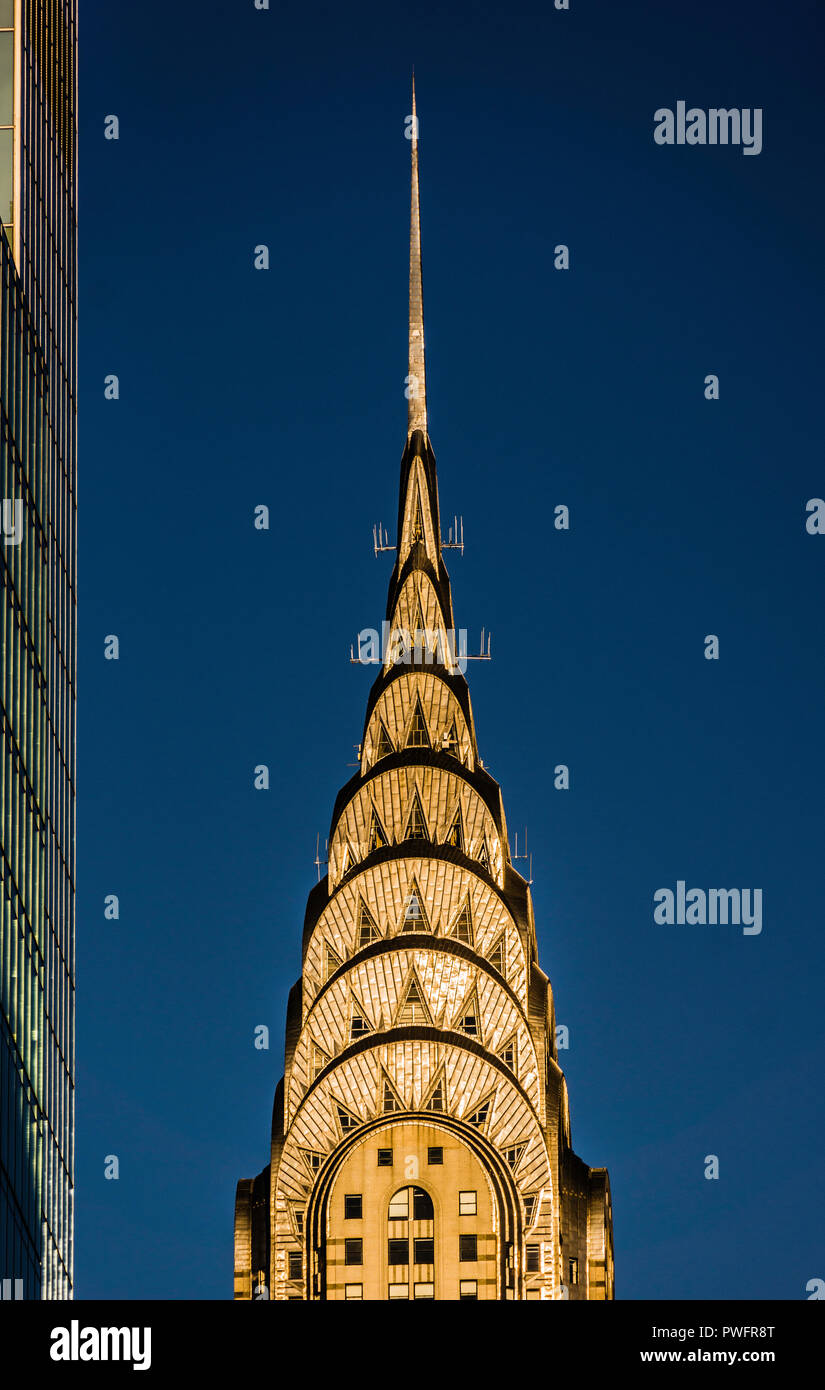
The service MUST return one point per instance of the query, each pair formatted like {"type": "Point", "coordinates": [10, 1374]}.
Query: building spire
{"type": "Point", "coordinates": [416, 385]}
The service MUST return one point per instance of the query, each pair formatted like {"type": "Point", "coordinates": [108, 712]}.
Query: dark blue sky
{"type": "Point", "coordinates": [585, 387]}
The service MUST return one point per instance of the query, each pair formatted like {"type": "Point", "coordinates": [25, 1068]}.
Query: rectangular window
{"type": "Point", "coordinates": [422, 1205]}
{"type": "Point", "coordinates": [385, 1158]}
{"type": "Point", "coordinates": [299, 1222]}
{"type": "Point", "coordinates": [467, 1204]}
{"type": "Point", "coordinates": [424, 1291]}
{"type": "Point", "coordinates": [6, 77]}
{"type": "Point", "coordinates": [468, 1288]}
{"type": "Point", "coordinates": [533, 1294]}
{"type": "Point", "coordinates": [352, 1207]}
{"type": "Point", "coordinates": [468, 1247]}
{"type": "Point", "coordinates": [296, 1264]}
{"type": "Point", "coordinates": [352, 1291]}
{"type": "Point", "coordinates": [353, 1251]}
{"type": "Point", "coordinates": [533, 1261]}
{"type": "Point", "coordinates": [399, 1290]}
{"type": "Point", "coordinates": [574, 1272]}
{"type": "Point", "coordinates": [423, 1250]}
{"type": "Point", "coordinates": [6, 175]}
{"type": "Point", "coordinates": [435, 1156]}
{"type": "Point", "coordinates": [398, 1252]}
{"type": "Point", "coordinates": [399, 1209]}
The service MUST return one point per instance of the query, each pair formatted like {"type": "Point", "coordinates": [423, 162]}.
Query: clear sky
{"type": "Point", "coordinates": [586, 388]}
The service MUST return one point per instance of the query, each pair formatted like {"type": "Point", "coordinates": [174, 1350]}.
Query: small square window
{"type": "Point", "coordinates": [385, 1158]}
{"type": "Point", "coordinates": [574, 1272]}
{"type": "Point", "coordinates": [533, 1260]}
{"type": "Point", "coordinates": [468, 1247]}
{"type": "Point", "coordinates": [424, 1291]}
{"type": "Point", "coordinates": [467, 1204]}
{"type": "Point", "coordinates": [399, 1290]}
{"type": "Point", "coordinates": [423, 1250]}
{"type": "Point", "coordinates": [353, 1251]}
{"type": "Point", "coordinates": [352, 1207]}
{"type": "Point", "coordinates": [398, 1252]}
{"type": "Point", "coordinates": [399, 1209]}
{"type": "Point", "coordinates": [468, 1288]}
{"type": "Point", "coordinates": [296, 1264]}
{"type": "Point", "coordinates": [352, 1291]}
{"type": "Point", "coordinates": [435, 1156]}
{"type": "Point", "coordinates": [533, 1294]}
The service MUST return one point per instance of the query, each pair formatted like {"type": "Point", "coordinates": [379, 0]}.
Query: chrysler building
{"type": "Point", "coordinates": [420, 1142]}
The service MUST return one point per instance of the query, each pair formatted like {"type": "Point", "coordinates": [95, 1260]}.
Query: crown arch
{"type": "Point", "coordinates": [383, 892]}
{"type": "Point", "coordinates": [389, 720]}
{"type": "Point", "coordinates": [412, 1229]}
{"type": "Point", "coordinates": [378, 813]}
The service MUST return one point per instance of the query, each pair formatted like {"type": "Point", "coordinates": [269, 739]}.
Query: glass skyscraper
{"type": "Point", "coordinates": [38, 333]}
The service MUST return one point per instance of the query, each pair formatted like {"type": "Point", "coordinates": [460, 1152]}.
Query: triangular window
{"type": "Point", "coordinates": [347, 1120]}
{"type": "Point", "coordinates": [417, 629]}
{"type": "Point", "coordinates": [449, 742]}
{"type": "Point", "coordinates": [423, 638]}
{"type": "Point", "coordinates": [333, 960]}
{"type": "Point", "coordinates": [437, 1100]}
{"type": "Point", "coordinates": [383, 746]}
{"type": "Point", "coordinates": [455, 834]}
{"type": "Point", "coordinates": [312, 1160]}
{"type": "Point", "coordinates": [377, 838]}
{"type": "Point", "coordinates": [484, 855]}
{"type": "Point", "coordinates": [391, 1102]}
{"type": "Point", "coordinates": [359, 1026]}
{"type": "Point", "coordinates": [462, 928]}
{"type": "Point", "coordinates": [416, 825]}
{"type": "Point", "coordinates": [496, 955]}
{"type": "Point", "coordinates": [514, 1153]}
{"type": "Point", "coordinates": [414, 918]}
{"type": "Point", "coordinates": [418, 519]}
{"type": "Point", "coordinates": [319, 1060]}
{"type": "Point", "coordinates": [469, 1020]}
{"type": "Point", "coordinates": [367, 930]}
{"type": "Point", "coordinates": [530, 1204]}
{"type": "Point", "coordinates": [481, 1114]}
{"type": "Point", "coordinates": [418, 736]}
{"type": "Point", "coordinates": [413, 1007]}
{"type": "Point", "coordinates": [508, 1053]}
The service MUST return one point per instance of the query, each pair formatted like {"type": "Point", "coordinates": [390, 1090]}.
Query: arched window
{"type": "Point", "coordinates": [411, 1244]}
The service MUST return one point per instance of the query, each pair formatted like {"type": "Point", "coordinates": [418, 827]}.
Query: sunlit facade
{"type": "Point", "coordinates": [38, 330]}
